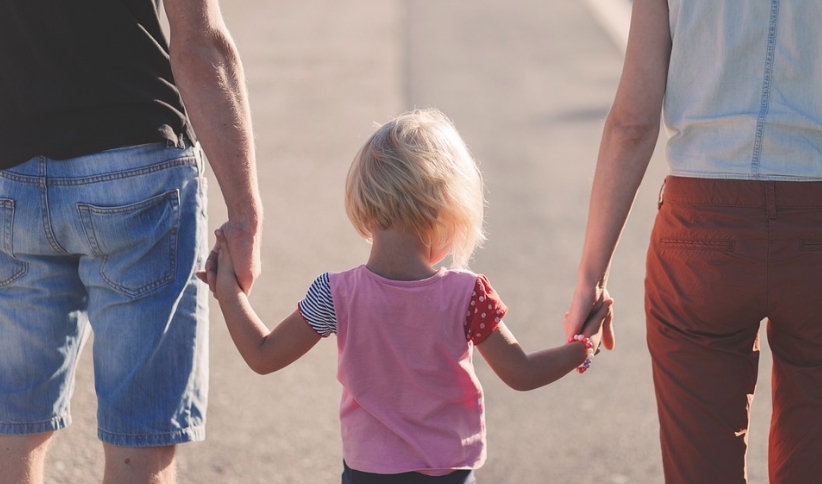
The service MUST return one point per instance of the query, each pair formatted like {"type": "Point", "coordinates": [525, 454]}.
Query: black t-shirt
{"type": "Point", "coordinates": [82, 76]}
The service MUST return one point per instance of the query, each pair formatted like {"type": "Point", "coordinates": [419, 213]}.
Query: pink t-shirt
{"type": "Point", "coordinates": [411, 400]}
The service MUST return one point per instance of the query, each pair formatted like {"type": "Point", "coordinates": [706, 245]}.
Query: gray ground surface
{"type": "Point", "coordinates": [528, 84]}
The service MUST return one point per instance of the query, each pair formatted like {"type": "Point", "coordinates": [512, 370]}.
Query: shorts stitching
{"type": "Point", "coordinates": [35, 180]}
{"type": "Point", "coordinates": [192, 433]}
{"type": "Point", "coordinates": [153, 435]}
{"type": "Point", "coordinates": [7, 219]}
{"type": "Point", "coordinates": [60, 420]}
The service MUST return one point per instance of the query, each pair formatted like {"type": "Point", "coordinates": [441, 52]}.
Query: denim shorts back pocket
{"type": "Point", "coordinates": [136, 243]}
{"type": "Point", "coordinates": [11, 269]}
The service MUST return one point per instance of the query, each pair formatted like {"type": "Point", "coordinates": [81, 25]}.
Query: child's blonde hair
{"type": "Point", "coordinates": [415, 173]}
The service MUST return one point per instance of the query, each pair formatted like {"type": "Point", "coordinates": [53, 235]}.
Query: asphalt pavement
{"type": "Point", "coordinates": [528, 84]}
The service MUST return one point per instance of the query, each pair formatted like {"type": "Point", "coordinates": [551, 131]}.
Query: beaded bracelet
{"type": "Point", "coordinates": [589, 351]}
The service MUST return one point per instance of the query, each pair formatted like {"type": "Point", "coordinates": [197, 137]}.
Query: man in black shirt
{"type": "Point", "coordinates": [102, 220]}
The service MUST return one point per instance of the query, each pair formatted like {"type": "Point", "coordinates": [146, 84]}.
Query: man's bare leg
{"type": "Point", "coordinates": [140, 465]}
{"type": "Point", "coordinates": [23, 457]}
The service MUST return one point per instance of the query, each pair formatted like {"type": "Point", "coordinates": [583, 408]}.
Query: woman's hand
{"type": "Point", "coordinates": [586, 315]}
{"type": "Point", "coordinates": [599, 323]}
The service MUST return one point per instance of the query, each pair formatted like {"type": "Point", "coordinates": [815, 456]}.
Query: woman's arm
{"type": "Point", "coordinates": [628, 140]}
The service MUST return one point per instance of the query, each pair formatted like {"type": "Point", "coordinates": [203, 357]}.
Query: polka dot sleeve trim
{"type": "Point", "coordinates": [485, 311]}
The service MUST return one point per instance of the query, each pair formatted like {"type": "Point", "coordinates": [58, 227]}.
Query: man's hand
{"type": "Point", "coordinates": [244, 246]}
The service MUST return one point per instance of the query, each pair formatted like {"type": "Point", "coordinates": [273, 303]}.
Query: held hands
{"type": "Point", "coordinates": [245, 250]}
{"type": "Point", "coordinates": [591, 313]}
{"type": "Point", "coordinates": [227, 283]}
{"type": "Point", "coordinates": [244, 241]}
{"type": "Point", "coordinates": [220, 270]}
{"type": "Point", "coordinates": [597, 322]}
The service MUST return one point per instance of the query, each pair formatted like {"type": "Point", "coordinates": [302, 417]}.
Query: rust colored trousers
{"type": "Point", "coordinates": [724, 255]}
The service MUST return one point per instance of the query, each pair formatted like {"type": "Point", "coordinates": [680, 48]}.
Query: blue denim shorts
{"type": "Point", "coordinates": [108, 242]}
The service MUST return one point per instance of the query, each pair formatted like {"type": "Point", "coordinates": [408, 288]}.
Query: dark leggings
{"type": "Point", "coordinates": [351, 476]}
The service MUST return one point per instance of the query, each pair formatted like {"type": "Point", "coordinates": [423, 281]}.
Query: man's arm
{"type": "Point", "coordinates": [208, 72]}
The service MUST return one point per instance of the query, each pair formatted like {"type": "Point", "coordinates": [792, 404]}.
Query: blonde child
{"type": "Point", "coordinates": [412, 407]}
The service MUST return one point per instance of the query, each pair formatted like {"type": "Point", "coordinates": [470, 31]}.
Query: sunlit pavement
{"type": "Point", "coordinates": [528, 84]}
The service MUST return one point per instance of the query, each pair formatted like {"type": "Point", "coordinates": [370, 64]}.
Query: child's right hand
{"type": "Point", "coordinates": [226, 284]}
{"type": "Point", "coordinates": [598, 319]}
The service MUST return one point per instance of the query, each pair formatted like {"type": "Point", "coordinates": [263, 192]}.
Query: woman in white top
{"type": "Point", "coordinates": [738, 237]}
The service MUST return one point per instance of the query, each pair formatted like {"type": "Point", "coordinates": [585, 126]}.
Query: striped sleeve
{"type": "Point", "coordinates": [317, 307]}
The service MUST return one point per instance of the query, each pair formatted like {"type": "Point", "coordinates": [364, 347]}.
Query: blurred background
{"type": "Point", "coordinates": [528, 84]}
